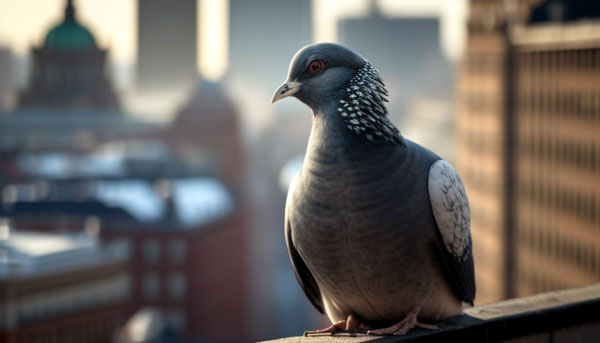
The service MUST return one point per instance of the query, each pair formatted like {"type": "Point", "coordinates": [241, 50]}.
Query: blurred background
{"type": "Point", "coordinates": [143, 169]}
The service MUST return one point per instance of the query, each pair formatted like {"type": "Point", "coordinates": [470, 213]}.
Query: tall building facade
{"type": "Point", "coordinates": [415, 71]}
{"type": "Point", "coordinates": [166, 45]}
{"type": "Point", "coordinates": [411, 62]}
{"type": "Point", "coordinates": [556, 152]}
{"type": "Point", "coordinates": [205, 133]}
{"type": "Point", "coordinates": [481, 129]}
{"type": "Point", "coordinates": [266, 33]}
{"type": "Point", "coordinates": [527, 148]}
{"type": "Point", "coordinates": [6, 77]}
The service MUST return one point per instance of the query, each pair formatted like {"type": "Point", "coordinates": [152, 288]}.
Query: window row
{"type": "Point", "coordinates": [550, 243]}
{"type": "Point", "coordinates": [481, 180]}
{"type": "Point", "coordinates": [52, 75]}
{"type": "Point", "coordinates": [484, 219]}
{"type": "Point", "coordinates": [581, 59]}
{"type": "Point", "coordinates": [478, 63]}
{"type": "Point", "coordinates": [480, 141]}
{"type": "Point", "coordinates": [176, 250]}
{"type": "Point", "coordinates": [572, 104]}
{"type": "Point", "coordinates": [536, 282]}
{"type": "Point", "coordinates": [482, 103]}
{"type": "Point", "coordinates": [176, 285]}
{"type": "Point", "coordinates": [85, 330]}
{"type": "Point", "coordinates": [583, 205]}
{"type": "Point", "coordinates": [576, 153]}
{"type": "Point", "coordinates": [74, 298]}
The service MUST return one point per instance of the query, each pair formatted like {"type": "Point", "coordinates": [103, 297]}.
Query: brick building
{"type": "Point", "coordinates": [187, 240]}
{"type": "Point", "coordinates": [61, 288]}
{"type": "Point", "coordinates": [556, 152]}
{"type": "Point", "coordinates": [528, 149]}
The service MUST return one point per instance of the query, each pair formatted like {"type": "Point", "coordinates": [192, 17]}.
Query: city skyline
{"type": "Point", "coordinates": [204, 177]}
{"type": "Point", "coordinates": [114, 23]}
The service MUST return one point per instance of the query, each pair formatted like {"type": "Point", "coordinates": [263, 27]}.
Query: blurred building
{"type": "Point", "coordinates": [172, 193]}
{"type": "Point", "coordinates": [412, 64]}
{"type": "Point", "coordinates": [266, 33]}
{"type": "Point", "coordinates": [6, 76]}
{"type": "Point", "coordinates": [146, 325]}
{"type": "Point", "coordinates": [410, 61]}
{"type": "Point", "coordinates": [191, 266]}
{"type": "Point", "coordinates": [69, 105]}
{"type": "Point", "coordinates": [429, 120]}
{"type": "Point", "coordinates": [61, 287]}
{"type": "Point", "coordinates": [187, 237]}
{"type": "Point", "coordinates": [69, 69]}
{"type": "Point", "coordinates": [529, 149]}
{"type": "Point", "coordinates": [556, 152]}
{"type": "Point", "coordinates": [482, 147]}
{"type": "Point", "coordinates": [205, 135]}
{"type": "Point", "coordinates": [166, 45]}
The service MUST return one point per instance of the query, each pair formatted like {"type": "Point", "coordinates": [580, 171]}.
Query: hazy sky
{"type": "Point", "coordinates": [24, 23]}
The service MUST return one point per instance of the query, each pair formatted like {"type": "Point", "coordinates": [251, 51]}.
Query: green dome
{"type": "Point", "coordinates": [69, 35]}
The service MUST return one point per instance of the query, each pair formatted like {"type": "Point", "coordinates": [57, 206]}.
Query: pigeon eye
{"type": "Point", "coordinates": [315, 67]}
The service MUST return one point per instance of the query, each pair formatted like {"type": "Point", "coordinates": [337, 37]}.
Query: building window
{"type": "Point", "coordinates": [176, 318]}
{"type": "Point", "coordinates": [177, 285]}
{"type": "Point", "coordinates": [151, 250]}
{"type": "Point", "coordinates": [177, 250]}
{"type": "Point", "coordinates": [151, 286]}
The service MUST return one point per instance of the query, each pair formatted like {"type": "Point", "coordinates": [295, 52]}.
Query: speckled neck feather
{"type": "Point", "coordinates": [362, 107]}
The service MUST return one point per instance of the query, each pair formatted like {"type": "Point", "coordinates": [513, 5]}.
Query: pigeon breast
{"type": "Point", "coordinates": [362, 222]}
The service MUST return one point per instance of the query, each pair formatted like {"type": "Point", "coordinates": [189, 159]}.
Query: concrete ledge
{"type": "Point", "coordinates": [571, 315]}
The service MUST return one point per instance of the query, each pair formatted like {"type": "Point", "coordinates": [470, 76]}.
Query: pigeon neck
{"type": "Point", "coordinates": [330, 142]}
{"type": "Point", "coordinates": [362, 107]}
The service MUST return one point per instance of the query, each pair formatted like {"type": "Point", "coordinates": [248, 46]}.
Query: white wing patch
{"type": "Point", "coordinates": [450, 207]}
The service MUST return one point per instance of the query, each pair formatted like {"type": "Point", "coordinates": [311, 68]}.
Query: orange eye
{"type": "Point", "coordinates": [315, 67]}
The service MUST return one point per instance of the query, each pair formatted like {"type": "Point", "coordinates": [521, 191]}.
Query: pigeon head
{"type": "Point", "coordinates": [318, 72]}
{"type": "Point", "coordinates": [335, 81]}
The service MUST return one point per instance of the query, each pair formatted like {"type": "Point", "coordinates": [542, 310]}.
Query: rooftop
{"type": "Point", "coordinates": [189, 201]}
{"type": "Point", "coordinates": [26, 254]}
{"type": "Point", "coordinates": [69, 35]}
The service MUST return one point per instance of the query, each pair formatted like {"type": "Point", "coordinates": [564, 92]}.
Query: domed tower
{"type": "Point", "coordinates": [69, 69]}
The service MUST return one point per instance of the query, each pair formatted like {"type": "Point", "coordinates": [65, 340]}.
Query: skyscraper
{"type": "Point", "coordinates": [266, 33]}
{"type": "Point", "coordinates": [166, 45]}
{"type": "Point", "coordinates": [6, 79]}
{"type": "Point", "coordinates": [481, 146]}
{"type": "Point", "coordinates": [410, 61]}
{"type": "Point", "coordinates": [528, 148]}
{"type": "Point", "coordinates": [555, 155]}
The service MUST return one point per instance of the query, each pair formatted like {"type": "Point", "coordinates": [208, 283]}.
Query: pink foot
{"type": "Point", "coordinates": [350, 324]}
{"type": "Point", "coordinates": [402, 327]}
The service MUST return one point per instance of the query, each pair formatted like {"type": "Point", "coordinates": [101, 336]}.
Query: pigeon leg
{"type": "Point", "coordinates": [402, 327]}
{"type": "Point", "coordinates": [350, 324]}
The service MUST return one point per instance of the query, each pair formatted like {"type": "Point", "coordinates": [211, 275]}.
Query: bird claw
{"type": "Point", "coordinates": [351, 324]}
{"type": "Point", "coordinates": [337, 327]}
{"type": "Point", "coordinates": [402, 327]}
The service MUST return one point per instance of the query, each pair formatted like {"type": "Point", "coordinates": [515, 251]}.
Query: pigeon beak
{"type": "Point", "coordinates": [285, 90]}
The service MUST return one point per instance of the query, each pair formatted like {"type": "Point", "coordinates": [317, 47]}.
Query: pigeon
{"type": "Point", "coordinates": [376, 226]}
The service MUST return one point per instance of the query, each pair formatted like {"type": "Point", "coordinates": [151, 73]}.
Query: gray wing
{"type": "Point", "coordinates": [305, 278]}
{"type": "Point", "coordinates": [452, 215]}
